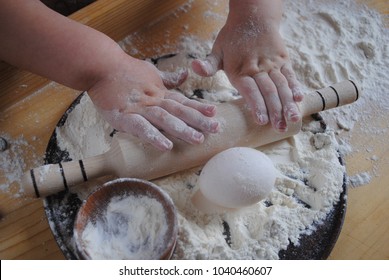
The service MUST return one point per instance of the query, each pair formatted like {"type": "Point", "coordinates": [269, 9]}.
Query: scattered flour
{"type": "Point", "coordinates": [360, 179]}
{"type": "Point", "coordinates": [216, 88]}
{"type": "Point", "coordinates": [131, 227]}
{"type": "Point", "coordinates": [263, 229]}
{"type": "Point", "coordinates": [328, 41]}
{"type": "Point", "coordinates": [12, 163]}
{"type": "Point", "coordinates": [96, 127]}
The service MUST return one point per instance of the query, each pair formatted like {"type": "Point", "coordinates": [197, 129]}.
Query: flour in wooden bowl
{"type": "Point", "coordinates": [296, 206]}
{"type": "Point", "coordinates": [131, 227]}
{"type": "Point", "coordinates": [259, 231]}
{"type": "Point", "coordinates": [328, 41]}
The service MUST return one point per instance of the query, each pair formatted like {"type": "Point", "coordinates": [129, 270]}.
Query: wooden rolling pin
{"type": "Point", "coordinates": [129, 158]}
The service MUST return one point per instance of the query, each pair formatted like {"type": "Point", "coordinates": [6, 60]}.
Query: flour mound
{"type": "Point", "coordinates": [328, 41]}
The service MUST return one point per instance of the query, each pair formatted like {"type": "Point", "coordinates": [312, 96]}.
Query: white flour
{"type": "Point", "coordinates": [87, 134]}
{"type": "Point", "coordinates": [328, 41]}
{"type": "Point", "coordinates": [12, 164]}
{"type": "Point", "coordinates": [132, 227]}
{"type": "Point", "coordinates": [260, 231]}
{"type": "Point", "coordinates": [216, 88]}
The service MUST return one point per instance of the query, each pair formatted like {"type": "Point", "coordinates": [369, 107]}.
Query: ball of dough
{"type": "Point", "coordinates": [237, 177]}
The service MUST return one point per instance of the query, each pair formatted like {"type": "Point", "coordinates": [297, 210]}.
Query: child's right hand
{"type": "Point", "coordinates": [250, 50]}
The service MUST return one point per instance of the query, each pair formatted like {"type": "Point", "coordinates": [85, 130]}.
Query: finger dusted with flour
{"type": "Point", "coordinates": [127, 91]}
{"type": "Point", "coordinates": [257, 62]}
{"type": "Point", "coordinates": [142, 105]}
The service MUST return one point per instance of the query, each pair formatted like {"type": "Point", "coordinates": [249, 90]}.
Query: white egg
{"type": "Point", "coordinates": [237, 177]}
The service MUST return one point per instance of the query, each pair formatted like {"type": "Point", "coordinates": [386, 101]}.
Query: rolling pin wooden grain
{"type": "Point", "coordinates": [129, 158]}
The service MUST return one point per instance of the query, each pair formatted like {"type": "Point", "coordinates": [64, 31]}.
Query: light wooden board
{"type": "Point", "coordinates": [31, 106]}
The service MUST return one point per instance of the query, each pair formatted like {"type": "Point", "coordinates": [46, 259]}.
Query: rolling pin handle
{"type": "Point", "coordinates": [128, 158]}
{"type": "Point", "coordinates": [50, 179]}
{"type": "Point", "coordinates": [53, 178]}
{"type": "Point", "coordinates": [339, 94]}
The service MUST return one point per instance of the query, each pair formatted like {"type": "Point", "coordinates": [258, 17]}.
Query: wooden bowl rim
{"type": "Point", "coordinates": [100, 198]}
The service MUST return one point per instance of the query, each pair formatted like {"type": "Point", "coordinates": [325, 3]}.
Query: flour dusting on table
{"type": "Point", "coordinates": [328, 41]}
{"type": "Point", "coordinates": [13, 165]}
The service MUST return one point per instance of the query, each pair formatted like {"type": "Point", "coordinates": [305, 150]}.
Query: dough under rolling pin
{"type": "Point", "coordinates": [132, 158]}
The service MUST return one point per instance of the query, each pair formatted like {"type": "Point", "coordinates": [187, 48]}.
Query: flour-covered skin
{"type": "Point", "coordinates": [132, 94]}
{"type": "Point", "coordinates": [142, 105]}
{"type": "Point", "coordinates": [251, 51]}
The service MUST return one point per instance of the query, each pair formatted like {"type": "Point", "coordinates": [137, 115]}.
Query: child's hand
{"type": "Point", "coordinates": [135, 99]}
{"type": "Point", "coordinates": [253, 55]}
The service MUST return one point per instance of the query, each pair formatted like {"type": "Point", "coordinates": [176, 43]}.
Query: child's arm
{"type": "Point", "coordinates": [130, 93]}
{"type": "Point", "coordinates": [250, 50]}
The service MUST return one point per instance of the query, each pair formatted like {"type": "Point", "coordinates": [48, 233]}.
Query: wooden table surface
{"type": "Point", "coordinates": [31, 106]}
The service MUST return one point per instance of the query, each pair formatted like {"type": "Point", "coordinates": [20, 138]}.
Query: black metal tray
{"type": "Point", "coordinates": [62, 208]}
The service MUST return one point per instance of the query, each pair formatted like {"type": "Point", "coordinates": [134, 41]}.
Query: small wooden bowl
{"type": "Point", "coordinates": [93, 208]}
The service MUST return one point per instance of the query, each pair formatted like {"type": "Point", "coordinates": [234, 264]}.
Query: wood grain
{"type": "Point", "coordinates": [365, 234]}
{"type": "Point", "coordinates": [31, 106]}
